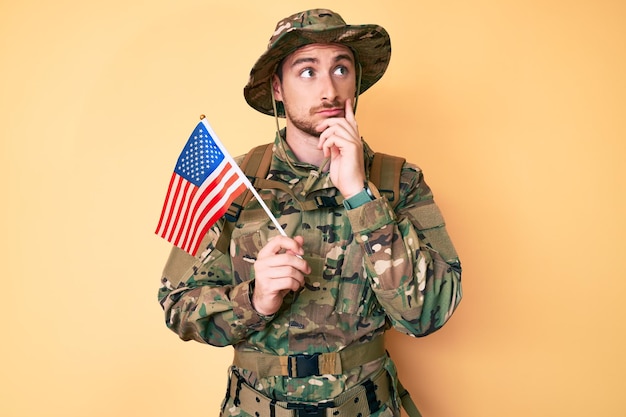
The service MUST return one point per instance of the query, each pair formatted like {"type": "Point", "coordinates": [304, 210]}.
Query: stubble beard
{"type": "Point", "coordinates": [306, 125]}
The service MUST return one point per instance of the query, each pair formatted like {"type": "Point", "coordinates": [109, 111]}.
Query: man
{"type": "Point", "coordinates": [306, 314]}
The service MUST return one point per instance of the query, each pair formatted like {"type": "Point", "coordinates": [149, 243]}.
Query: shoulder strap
{"type": "Point", "coordinates": [256, 164]}
{"type": "Point", "coordinates": [385, 175]}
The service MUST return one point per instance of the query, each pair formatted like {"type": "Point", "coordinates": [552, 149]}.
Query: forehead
{"type": "Point", "coordinates": [315, 50]}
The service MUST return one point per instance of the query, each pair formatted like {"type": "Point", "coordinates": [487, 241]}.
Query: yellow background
{"type": "Point", "coordinates": [514, 109]}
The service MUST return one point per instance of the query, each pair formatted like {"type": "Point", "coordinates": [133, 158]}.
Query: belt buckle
{"type": "Point", "coordinates": [309, 410]}
{"type": "Point", "coordinates": [301, 365]}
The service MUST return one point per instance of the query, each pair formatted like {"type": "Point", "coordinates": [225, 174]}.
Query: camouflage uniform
{"type": "Point", "coordinates": [372, 268]}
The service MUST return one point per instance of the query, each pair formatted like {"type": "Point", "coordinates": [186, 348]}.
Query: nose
{"type": "Point", "coordinates": [328, 88]}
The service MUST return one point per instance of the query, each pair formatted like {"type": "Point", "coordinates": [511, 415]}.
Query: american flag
{"type": "Point", "coordinates": [205, 182]}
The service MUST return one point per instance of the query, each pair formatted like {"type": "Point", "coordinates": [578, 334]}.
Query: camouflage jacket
{"type": "Point", "coordinates": [373, 268]}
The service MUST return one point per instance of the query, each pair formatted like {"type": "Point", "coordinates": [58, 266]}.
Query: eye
{"type": "Point", "coordinates": [341, 70]}
{"type": "Point", "coordinates": [306, 73]}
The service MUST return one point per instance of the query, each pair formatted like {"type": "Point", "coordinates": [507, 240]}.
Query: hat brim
{"type": "Point", "coordinates": [370, 43]}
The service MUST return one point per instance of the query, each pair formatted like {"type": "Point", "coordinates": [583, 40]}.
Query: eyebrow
{"type": "Point", "coordinates": [338, 58]}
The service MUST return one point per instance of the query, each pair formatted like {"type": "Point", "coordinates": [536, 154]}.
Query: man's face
{"type": "Point", "coordinates": [316, 81]}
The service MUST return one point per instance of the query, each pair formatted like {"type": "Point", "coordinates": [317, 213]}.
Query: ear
{"type": "Point", "coordinates": [277, 90]}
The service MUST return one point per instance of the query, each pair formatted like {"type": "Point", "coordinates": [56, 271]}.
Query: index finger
{"type": "Point", "coordinates": [349, 111]}
{"type": "Point", "coordinates": [279, 243]}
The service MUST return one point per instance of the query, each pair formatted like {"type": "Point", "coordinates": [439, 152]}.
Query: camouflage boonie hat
{"type": "Point", "coordinates": [370, 44]}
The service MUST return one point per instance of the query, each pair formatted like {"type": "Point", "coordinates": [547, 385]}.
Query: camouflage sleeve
{"type": "Point", "coordinates": [411, 263]}
{"type": "Point", "coordinates": [201, 300]}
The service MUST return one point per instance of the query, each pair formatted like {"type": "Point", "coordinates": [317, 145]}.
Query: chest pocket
{"type": "Point", "coordinates": [250, 234]}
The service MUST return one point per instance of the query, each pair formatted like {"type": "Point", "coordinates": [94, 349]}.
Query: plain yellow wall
{"type": "Point", "coordinates": [514, 109]}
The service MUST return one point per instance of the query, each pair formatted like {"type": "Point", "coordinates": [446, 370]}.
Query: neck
{"type": "Point", "coordinates": [304, 146]}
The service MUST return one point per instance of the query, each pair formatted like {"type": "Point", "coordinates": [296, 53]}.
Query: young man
{"type": "Point", "coordinates": [306, 314]}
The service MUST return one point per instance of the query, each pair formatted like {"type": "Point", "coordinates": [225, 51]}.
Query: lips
{"type": "Point", "coordinates": [331, 112]}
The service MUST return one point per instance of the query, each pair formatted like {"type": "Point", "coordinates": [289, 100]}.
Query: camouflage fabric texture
{"type": "Point", "coordinates": [370, 43]}
{"type": "Point", "coordinates": [372, 268]}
